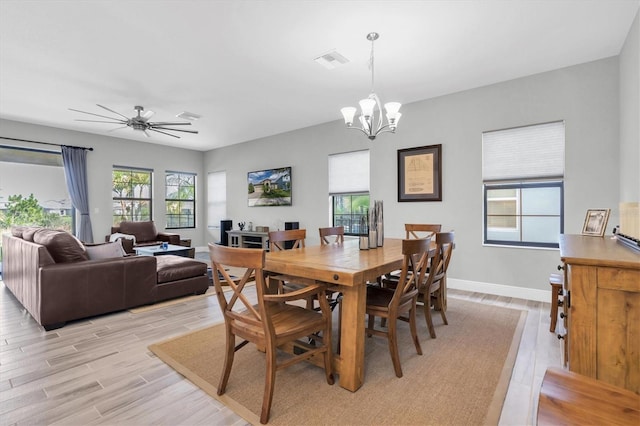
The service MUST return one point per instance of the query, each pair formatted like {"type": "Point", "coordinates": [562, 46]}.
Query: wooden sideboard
{"type": "Point", "coordinates": [602, 309]}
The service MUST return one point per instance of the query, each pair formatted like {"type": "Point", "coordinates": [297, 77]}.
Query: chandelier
{"type": "Point", "coordinates": [372, 124]}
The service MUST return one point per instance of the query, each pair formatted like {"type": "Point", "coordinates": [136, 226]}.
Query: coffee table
{"type": "Point", "coordinates": [158, 251]}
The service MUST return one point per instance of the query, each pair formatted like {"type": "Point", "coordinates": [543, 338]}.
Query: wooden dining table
{"type": "Point", "coordinates": [347, 269]}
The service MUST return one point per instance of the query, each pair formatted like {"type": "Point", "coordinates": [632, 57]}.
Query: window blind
{"type": "Point", "coordinates": [529, 152]}
{"type": "Point", "coordinates": [349, 173]}
{"type": "Point", "coordinates": [217, 198]}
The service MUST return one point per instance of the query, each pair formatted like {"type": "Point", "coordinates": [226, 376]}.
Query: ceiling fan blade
{"type": "Point", "coordinates": [100, 121]}
{"type": "Point", "coordinates": [148, 114]}
{"type": "Point", "coordinates": [167, 123]}
{"type": "Point", "coordinates": [117, 128]}
{"type": "Point", "coordinates": [164, 133]}
{"type": "Point", "coordinates": [97, 115]}
{"type": "Point", "coordinates": [146, 133]}
{"type": "Point", "coordinates": [115, 112]}
{"type": "Point", "coordinates": [174, 130]}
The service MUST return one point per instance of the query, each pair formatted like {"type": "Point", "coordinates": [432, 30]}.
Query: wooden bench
{"type": "Point", "coordinates": [568, 398]}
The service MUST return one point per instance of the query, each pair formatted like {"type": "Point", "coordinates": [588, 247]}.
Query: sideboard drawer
{"type": "Point", "coordinates": [618, 279]}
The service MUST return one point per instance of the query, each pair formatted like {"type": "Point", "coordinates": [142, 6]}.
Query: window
{"type": "Point", "coordinates": [349, 210]}
{"type": "Point", "coordinates": [523, 171]}
{"type": "Point", "coordinates": [180, 200]}
{"type": "Point", "coordinates": [131, 194]}
{"type": "Point", "coordinates": [349, 189]}
{"type": "Point", "coordinates": [34, 190]}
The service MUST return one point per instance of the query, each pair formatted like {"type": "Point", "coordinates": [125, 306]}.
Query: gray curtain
{"type": "Point", "coordinates": [75, 173]}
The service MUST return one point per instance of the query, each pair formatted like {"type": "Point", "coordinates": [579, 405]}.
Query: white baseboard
{"type": "Point", "coordinates": [500, 290]}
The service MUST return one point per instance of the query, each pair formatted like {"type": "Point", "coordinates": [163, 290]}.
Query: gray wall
{"type": "Point", "coordinates": [630, 115]}
{"type": "Point", "coordinates": [585, 96]}
{"type": "Point", "coordinates": [598, 101]}
{"type": "Point", "coordinates": [109, 151]}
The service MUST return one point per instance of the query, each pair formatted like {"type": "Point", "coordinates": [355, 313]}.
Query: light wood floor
{"type": "Point", "coordinates": [99, 371]}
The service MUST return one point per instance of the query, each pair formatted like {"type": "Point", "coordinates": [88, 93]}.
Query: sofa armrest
{"type": "Point", "coordinates": [169, 237]}
{"type": "Point", "coordinates": [76, 290]}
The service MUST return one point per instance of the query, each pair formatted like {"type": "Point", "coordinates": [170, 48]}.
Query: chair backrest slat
{"type": "Point", "coordinates": [336, 231]}
{"type": "Point", "coordinates": [414, 265]}
{"type": "Point", "coordinates": [223, 257]}
{"type": "Point", "coordinates": [421, 230]}
{"type": "Point", "coordinates": [277, 239]}
{"type": "Point", "coordinates": [440, 262]}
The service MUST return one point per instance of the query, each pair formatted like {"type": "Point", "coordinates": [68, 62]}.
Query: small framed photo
{"type": "Point", "coordinates": [596, 222]}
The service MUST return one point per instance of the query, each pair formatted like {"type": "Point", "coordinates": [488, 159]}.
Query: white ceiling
{"type": "Point", "coordinates": [247, 66]}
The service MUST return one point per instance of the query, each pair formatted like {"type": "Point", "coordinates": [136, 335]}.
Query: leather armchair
{"type": "Point", "coordinates": [145, 234]}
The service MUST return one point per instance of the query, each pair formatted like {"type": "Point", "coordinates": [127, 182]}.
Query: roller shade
{"type": "Point", "coordinates": [528, 152]}
{"type": "Point", "coordinates": [349, 173]}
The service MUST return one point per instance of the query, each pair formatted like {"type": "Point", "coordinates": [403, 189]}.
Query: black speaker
{"type": "Point", "coordinates": [290, 225]}
{"type": "Point", "coordinates": [225, 225]}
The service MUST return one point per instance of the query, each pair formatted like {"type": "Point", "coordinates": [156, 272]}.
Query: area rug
{"type": "Point", "coordinates": [461, 378]}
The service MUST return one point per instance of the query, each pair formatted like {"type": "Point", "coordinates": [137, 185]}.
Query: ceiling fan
{"type": "Point", "coordinates": [140, 122]}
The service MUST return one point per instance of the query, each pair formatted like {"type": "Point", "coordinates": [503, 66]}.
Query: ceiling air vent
{"type": "Point", "coordinates": [189, 116]}
{"type": "Point", "coordinates": [331, 60]}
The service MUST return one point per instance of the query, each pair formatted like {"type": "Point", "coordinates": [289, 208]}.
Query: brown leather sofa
{"type": "Point", "coordinates": [50, 273]}
{"type": "Point", "coordinates": [145, 234]}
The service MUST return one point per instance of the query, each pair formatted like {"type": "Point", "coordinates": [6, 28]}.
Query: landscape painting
{"type": "Point", "coordinates": [270, 187]}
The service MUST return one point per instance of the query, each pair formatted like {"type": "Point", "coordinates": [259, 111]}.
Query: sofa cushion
{"type": "Point", "coordinates": [143, 231]}
{"type": "Point", "coordinates": [62, 246]}
{"type": "Point", "coordinates": [105, 251]}
{"type": "Point", "coordinates": [29, 231]}
{"type": "Point", "coordinates": [16, 231]}
{"type": "Point", "coordinates": [173, 268]}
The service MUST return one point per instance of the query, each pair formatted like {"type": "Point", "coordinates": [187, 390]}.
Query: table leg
{"type": "Point", "coordinates": [350, 361]}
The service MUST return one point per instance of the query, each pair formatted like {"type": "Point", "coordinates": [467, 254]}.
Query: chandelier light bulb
{"type": "Point", "coordinates": [348, 113]}
{"type": "Point", "coordinates": [392, 108]}
{"type": "Point", "coordinates": [366, 106]}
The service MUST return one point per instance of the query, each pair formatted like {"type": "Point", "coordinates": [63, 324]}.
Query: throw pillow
{"type": "Point", "coordinates": [62, 246]}
{"type": "Point", "coordinates": [105, 251]}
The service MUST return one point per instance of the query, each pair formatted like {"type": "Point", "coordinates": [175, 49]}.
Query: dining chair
{"type": "Point", "coordinates": [277, 242]}
{"type": "Point", "coordinates": [399, 303]}
{"type": "Point", "coordinates": [334, 297]}
{"type": "Point", "coordinates": [432, 288]}
{"type": "Point", "coordinates": [270, 323]}
{"type": "Point", "coordinates": [414, 230]}
{"type": "Point", "coordinates": [336, 231]}
{"type": "Point", "coordinates": [277, 239]}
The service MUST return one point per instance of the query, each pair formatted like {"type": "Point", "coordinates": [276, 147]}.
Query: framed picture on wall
{"type": "Point", "coordinates": [420, 173]}
{"type": "Point", "coordinates": [595, 222]}
{"type": "Point", "coordinates": [270, 187]}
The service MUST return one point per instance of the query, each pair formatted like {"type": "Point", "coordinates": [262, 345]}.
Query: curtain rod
{"type": "Point", "coordinates": [45, 143]}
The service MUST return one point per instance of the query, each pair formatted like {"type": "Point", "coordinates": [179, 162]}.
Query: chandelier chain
{"type": "Point", "coordinates": [372, 66]}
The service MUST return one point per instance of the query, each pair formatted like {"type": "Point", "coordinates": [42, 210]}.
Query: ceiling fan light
{"type": "Point", "coordinates": [348, 113]}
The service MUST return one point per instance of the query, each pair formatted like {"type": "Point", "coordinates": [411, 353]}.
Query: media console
{"type": "Point", "coordinates": [248, 239]}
